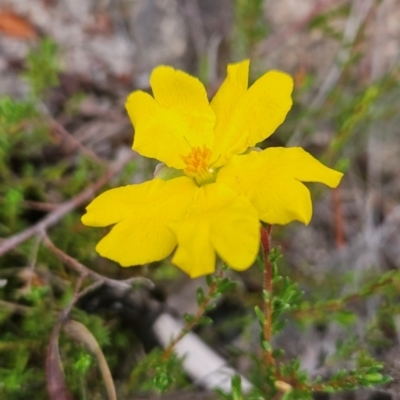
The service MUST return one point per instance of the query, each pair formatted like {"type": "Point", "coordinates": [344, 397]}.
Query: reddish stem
{"type": "Point", "coordinates": [265, 241]}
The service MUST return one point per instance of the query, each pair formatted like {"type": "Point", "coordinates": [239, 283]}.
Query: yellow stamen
{"type": "Point", "coordinates": [197, 165]}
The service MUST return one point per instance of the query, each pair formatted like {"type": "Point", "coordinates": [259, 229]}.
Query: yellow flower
{"type": "Point", "coordinates": [214, 188]}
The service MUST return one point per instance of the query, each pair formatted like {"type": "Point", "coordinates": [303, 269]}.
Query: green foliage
{"type": "Point", "coordinates": [289, 378]}
{"type": "Point", "coordinates": [250, 26]}
{"type": "Point", "coordinates": [156, 372]}
{"type": "Point", "coordinates": [14, 115]}
{"type": "Point", "coordinates": [95, 324]}
{"type": "Point", "coordinates": [43, 67]}
{"type": "Point", "coordinates": [325, 22]}
{"type": "Point", "coordinates": [236, 393]}
{"type": "Point", "coordinates": [45, 287]}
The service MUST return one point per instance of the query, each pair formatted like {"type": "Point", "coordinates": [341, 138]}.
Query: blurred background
{"type": "Point", "coordinates": [66, 68]}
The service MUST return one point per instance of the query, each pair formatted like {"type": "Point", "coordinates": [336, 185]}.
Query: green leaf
{"type": "Point", "coordinates": [225, 285]}
{"type": "Point", "coordinates": [345, 317]}
{"type": "Point", "coordinates": [374, 378]}
{"type": "Point", "coordinates": [277, 353]}
{"type": "Point", "coordinates": [163, 379]}
{"type": "Point", "coordinates": [209, 279]}
{"type": "Point", "coordinates": [260, 315]}
{"type": "Point", "coordinates": [236, 383]}
{"type": "Point", "coordinates": [189, 318]}
{"type": "Point", "coordinates": [200, 296]}
{"type": "Point", "coordinates": [205, 320]}
{"type": "Point", "coordinates": [266, 345]}
{"type": "Point", "coordinates": [210, 307]}
{"type": "Point", "coordinates": [266, 295]}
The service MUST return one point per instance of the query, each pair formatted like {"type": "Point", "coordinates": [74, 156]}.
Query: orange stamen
{"type": "Point", "coordinates": [197, 164]}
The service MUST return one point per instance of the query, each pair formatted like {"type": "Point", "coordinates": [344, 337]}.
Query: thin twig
{"type": "Point", "coordinates": [65, 312]}
{"type": "Point", "coordinates": [189, 325]}
{"type": "Point", "coordinates": [33, 259]}
{"type": "Point", "coordinates": [275, 40]}
{"type": "Point", "coordinates": [321, 309]}
{"type": "Point", "coordinates": [39, 205]}
{"type": "Point", "coordinates": [23, 310]}
{"type": "Point", "coordinates": [35, 205]}
{"type": "Point", "coordinates": [84, 271]}
{"type": "Point", "coordinates": [64, 208]}
{"type": "Point", "coordinates": [359, 11]}
{"type": "Point", "coordinates": [13, 307]}
{"type": "Point", "coordinates": [64, 134]}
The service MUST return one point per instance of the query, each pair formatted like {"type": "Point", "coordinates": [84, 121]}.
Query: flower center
{"type": "Point", "coordinates": [197, 165]}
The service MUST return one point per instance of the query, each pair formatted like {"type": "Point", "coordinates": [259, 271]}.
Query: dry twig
{"type": "Point", "coordinates": [64, 208]}
{"type": "Point", "coordinates": [275, 40]}
{"type": "Point", "coordinates": [84, 271]}
{"type": "Point", "coordinates": [359, 12]}
{"type": "Point", "coordinates": [64, 134]}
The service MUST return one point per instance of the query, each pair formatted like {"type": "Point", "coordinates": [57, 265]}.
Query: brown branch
{"type": "Point", "coordinates": [84, 271]}
{"type": "Point", "coordinates": [73, 142]}
{"type": "Point", "coordinates": [64, 134]}
{"type": "Point", "coordinates": [35, 205]}
{"type": "Point", "coordinates": [64, 208]}
{"type": "Point", "coordinates": [38, 205]}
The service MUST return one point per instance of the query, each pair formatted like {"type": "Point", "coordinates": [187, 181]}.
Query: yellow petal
{"type": "Point", "coordinates": [225, 104]}
{"type": "Point", "coordinates": [195, 255]}
{"type": "Point", "coordinates": [141, 214]}
{"type": "Point", "coordinates": [247, 117]}
{"type": "Point", "coordinates": [266, 105]}
{"type": "Point", "coordinates": [219, 221]}
{"type": "Point", "coordinates": [177, 119]}
{"type": "Point", "coordinates": [271, 180]}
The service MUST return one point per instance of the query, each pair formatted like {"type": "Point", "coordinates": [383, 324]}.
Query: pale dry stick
{"type": "Point", "coordinates": [359, 12]}
{"type": "Point", "coordinates": [380, 38]}
{"type": "Point", "coordinates": [65, 312]}
{"type": "Point", "coordinates": [374, 140]}
{"type": "Point", "coordinates": [14, 307]}
{"type": "Point", "coordinates": [24, 310]}
{"type": "Point", "coordinates": [35, 205]}
{"type": "Point", "coordinates": [38, 205]}
{"type": "Point", "coordinates": [82, 270]}
{"type": "Point", "coordinates": [212, 56]}
{"type": "Point", "coordinates": [82, 335]}
{"type": "Point", "coordinates": [192, 12]}
{"type": "Point", "coordinates": [275, 40]}
{"type": "Point", "coordinates": [57, 387]}
{"type": "Point", "coordinates": [66, 207]}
